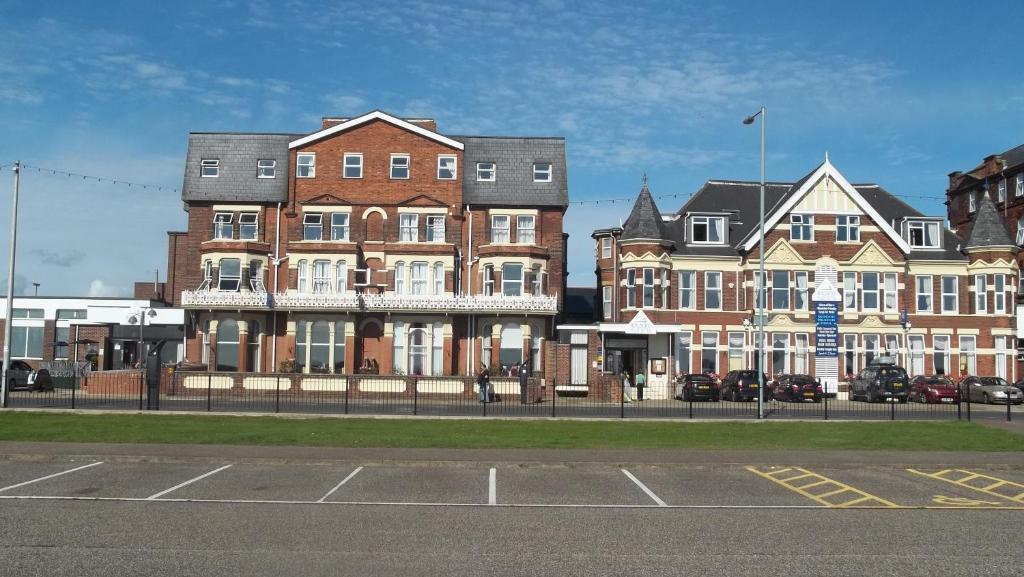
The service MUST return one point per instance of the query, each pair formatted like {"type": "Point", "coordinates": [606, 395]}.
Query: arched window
{"type": "Point", "coordinates": [303, 284]}
{"type": "Point", "coordinates": [437, 349]}
{"type": "Point", "coordinates": [400, 278]}
{"type": "Point", "coordinates": [320, 347]}
{"type": "Point", "coordinates": [321, 276]}
{"type": "Point", "coordinates": [340, 277]}
{"type": "Point", "coordinates": [417, 349]}
{"type": "Point", "coordinates": [438, 278]}
{"type": "Point", "coordinates": [300, 346]}
{"type": "Point", "coordinates": [227, 345]}
{"type": "Point", "coordinates": [511, 352]}
{"type": "Point", "coordinates": [339, 347]}
{"type": "Point", "coordinates": [252, 361]}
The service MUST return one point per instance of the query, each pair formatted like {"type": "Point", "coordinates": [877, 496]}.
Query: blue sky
{"type": "Point", "coordinates": [898, 93]}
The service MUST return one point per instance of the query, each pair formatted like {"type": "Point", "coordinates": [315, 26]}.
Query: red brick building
{"type": "Point", "coordinates": [678, 292]}
{"type": "Point", "coordinates": [375, 243]}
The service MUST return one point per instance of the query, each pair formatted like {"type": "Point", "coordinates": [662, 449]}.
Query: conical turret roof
{"type": "Point", "coordinates": [644, 220]}
{"type": "Point", "coordinates": [987, 229]}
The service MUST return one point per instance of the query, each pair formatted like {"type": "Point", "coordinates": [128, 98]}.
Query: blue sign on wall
{"type": "Point", "coordinates": [826, 334]}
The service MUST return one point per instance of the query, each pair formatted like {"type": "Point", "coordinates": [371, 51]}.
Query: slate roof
{"type": "Point", "coordinates": [987, 229]}
{"type": "Point", "coordinates": [238, 154]}
{"type": "Point", "coordinates": [580, 305]}
{"type": "Point", "coordinates": [513, 184]}
{"type": "Point", "coordinates": [1014, 156]}
{"type": "Point", "coordinates": [645, 219]}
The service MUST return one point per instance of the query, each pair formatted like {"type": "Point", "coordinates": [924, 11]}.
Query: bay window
{"type": "Point", "coordinates": [230, 274]}
{"type": "Point", "coordinates": [512, 279]}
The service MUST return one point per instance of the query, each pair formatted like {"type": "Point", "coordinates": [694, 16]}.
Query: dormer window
{"type": "Point", "coordinates": [801, 227]}
{"type": "Point", "coordinates": [923, 234]}
{"type": "Point", "coordinates": [485, 171]}
{"type": "Point", "coordinates": [542, 172]}
{"type": "Point", "coordinates": [266, 168]}
{"type": "Point", "coordinates": [210, 168]}
{"type": "Point", "coordinates": [707, 229]}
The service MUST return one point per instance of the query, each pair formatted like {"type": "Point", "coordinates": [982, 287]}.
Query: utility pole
{"type": "Point", "coordinates": [10, 285]}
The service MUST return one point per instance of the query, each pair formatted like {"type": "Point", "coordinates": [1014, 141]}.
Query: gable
{"type": "Point", "coordinates": [871, 254]}
{"type": "Point", "coordinates": [421, 200]}
{"type": "Point", "coordinates": [783, 253]}
{"type": "Point", "coordinates": [325, 199]}
{"type": "Point", "coordinates": [830, 187]}
{"type": "Point", "coordinates": [370, 117]}
{"type": "Point", "coordinates": [827, 197]}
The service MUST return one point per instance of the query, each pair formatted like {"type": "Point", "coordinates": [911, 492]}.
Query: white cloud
{"type": "Point", "coordinates": [98, 288]}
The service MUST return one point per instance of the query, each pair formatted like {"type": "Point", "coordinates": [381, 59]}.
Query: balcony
{"type": "Point", "coordinates": [212, 299]}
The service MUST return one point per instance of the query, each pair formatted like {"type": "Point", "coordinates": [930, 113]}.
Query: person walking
{"type": "Point", "coordinates": [627, 388]}
{"type": "Point", "coordinates": [524, 375]}
{"type": "Point", "coordinates": [641, 382]}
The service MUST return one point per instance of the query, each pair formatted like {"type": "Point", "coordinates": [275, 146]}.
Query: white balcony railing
{"type": "Point", "coordinates": [544, 304]}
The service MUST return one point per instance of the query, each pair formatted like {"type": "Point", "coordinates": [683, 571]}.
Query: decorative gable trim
{"type": "Point", "coordinates": [871, 254]}
{"type": "Point", "coordinates": [369, 117]}
{"type": "Point", "coordinates": [421, 200]}
{"type": "Point", "coordinates": [824, 171]}
{"type": "Point", "coordinates": [783, 253]}
{"type": "Point", "coordinates": [325, 199]}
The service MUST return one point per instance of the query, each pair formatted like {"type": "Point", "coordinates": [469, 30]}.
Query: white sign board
{"type": "Point", "coordinates": [640, 325]}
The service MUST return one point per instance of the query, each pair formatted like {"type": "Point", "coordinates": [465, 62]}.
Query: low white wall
{"type": "Point", "coordinates": [204, 381]}
{"type": "Point", "coordinates": [382, 385]}
{"type": "Point", "coordinates": [440, 386]}
{"type": "Point", "coordinates": [330, 384]}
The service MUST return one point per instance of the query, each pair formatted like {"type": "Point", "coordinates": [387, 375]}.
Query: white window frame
{"type": "Point", "coordinates": [664, 288]}
{"type": "Point", "coordinates": [418, 283]}
{"type": "Point", "coordinates": [339, 231]}
{"type": "Point", "coordinates": [851, 358]}
{"type": "Point", "coordinates": [972, 202]}
{"type": "Point", "coordinates": [954, 294]}
{"type": "Point", "coordinates": [631, 288]}
{"type": "Point", "coordinates": [1001, 190]}
{"type": "Point", "coordinates": [916, 352]}
{"type": "Point", "coordinates": [542, 174]}
{"type": "Point", "coordinates": [305, 165]}
{"type": "Point", "coordinates": [532, 220]}
{"type": "Point", "coordinates": [249, 221]}
{"type": "Point", "coordinates": [442, 161]}
{"type": "Point", "coordinates": [850, 224]}
{"type": "Point", "coordinates": [647, 294]}
{"type": "Point", "coordinates": [221, 220]}
{"type": "Point", "coordinates": [345, 165]}
{"type": "Point", "coordinates": [687, 290]}
{"type": "Point", "coordinates": [435, 229]}
{"type": "Point", "coordinates": [538, 280]}
{"type": "Point", "coordinates": [875, 293]}
{"type": "Point", "coordinates": [1020, 231]}
{"type": "Point", "coordinates": [944, 352]}
{"type": "Point", "coordinates": [923, 226]}
{"type": "Point", "coordinates": [321, 276]}
{"type": "Point", "coordinates": [340, 277]}
{"type": "Point", "coordinates": [713, 288]}
{"type": "Point", "coordinates": [801, 355]}
{"type": "Point", "coordinates": [408, 232]}
{"type": "Point", "coordinates": [236, 279]}
{"type": "Point", "coordinates": [403, 165]}
{"type": "Point", "coordinates": [1019, 188]}
{"type": "Point", "coordinates": [890, 292]}
{"type": "Point", "coordinates": [606, 302]}
{"type": "Point", "coordinates": [850, 291]}
{"type": "Point", "coordinates": [801, 227]}
{"type": "Point", "coordinates": [801, 290]}
{"type": "Point", "coordinates": [785, 352]}
{"type": "Point", "coordinates": [782, 291]}
{"type": "Point", "coordinates": [311, 221]}
{"type": "Point", "coordinates": [485, 174]}
{"type": "Point", "coordinates": [704, 342]}
{"type": "Point", "coordinates": [302, 276]}
{"type": "Point", "coordinates": [266, 168]}
{"type": "Point", "coordinates": [981, 293]}
{"type": "Point", "coordinates": [968, 354]}
{"type": "Point", "coordinates": [503, 231]}
{"type": "Point", "coordinates": [923, 287]}
{"type": "Point", "coordinates": [606, 247]}
{"type": "Point", "coordinates": [400, 278]}
{"type": "Point", "coordinates": [438, 276]}
{"type": "Point", "coordinates": [505, 282]}
{"type": "Point", "coordinates": [488, 284]}
{"type": "Point", "coordinates": [707, 222]}
{"type": "Point", "coordinates": [999, 294]}
{"type": "Point", "coordinates": [209, 168]}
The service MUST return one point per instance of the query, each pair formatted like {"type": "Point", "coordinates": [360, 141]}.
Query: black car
{"type": "Point", "coordinates": [697, 388]}
{"type": "Point", "coordinates": [743, 386]}
{"type": "Point", "coordinates": [797, 388]}
{"type": "Point", "coordinates": [881, 382]}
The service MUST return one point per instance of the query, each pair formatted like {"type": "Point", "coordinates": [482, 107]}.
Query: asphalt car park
{"type": "Point", "coordinates": [515, 484]}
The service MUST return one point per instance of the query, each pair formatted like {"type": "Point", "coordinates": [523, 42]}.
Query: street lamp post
{"type": "Point", "coordinates": [760, 284]}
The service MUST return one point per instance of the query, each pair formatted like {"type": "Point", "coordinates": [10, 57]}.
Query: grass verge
{"type": "Point", "coordinates": [483, 434]}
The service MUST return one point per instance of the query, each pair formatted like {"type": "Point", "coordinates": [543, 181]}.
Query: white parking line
{"type": "Point", "coordinates": [189, 482]}
{"type": "Point", "coordinates": [339, 485]}
{"type": "Point", "coordinates": [644, 488]}
{"type": "Point", "coordinates": [50, 476]}
{"type": "Point", "coordinates": [492, 487]}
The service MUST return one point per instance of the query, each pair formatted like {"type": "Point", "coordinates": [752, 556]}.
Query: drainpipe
{"type": "Point", "coordinates": [277, 266]}
{"type": "Point", "coordinates": [471, 352]}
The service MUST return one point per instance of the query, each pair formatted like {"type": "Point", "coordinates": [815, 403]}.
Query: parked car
{"type": "Point", "coordinates": [743, 386]}
{"type": "Point", "coordinates": [933, 389]}
{"type": "Point", "coordinates": [796, 388]}
{"type": "Point", "coordinates": [1020, 385]}
{"type": "Point", "coordinates": [991, 390]}
{"type": "Point", "coordinates": [881, 381]}
{"type": "Point", "coordinates": [17, 375]}
{"type": "Point", "coordinates": [697, 388]}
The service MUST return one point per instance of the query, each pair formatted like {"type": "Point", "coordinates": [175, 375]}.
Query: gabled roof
{"type": "Point", "coordinates": [644, 220]}
{"type": "Point", "coordinates": [802, 186]}
{"type": "Point", "coordinates": [987, 229]}
{"type": "Point", "coordinates": [370, 117]}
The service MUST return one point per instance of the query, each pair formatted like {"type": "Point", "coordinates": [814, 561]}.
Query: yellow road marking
{"type": "Point", "coordinates": [791, 479]}
{"type": "Point", "coordinates": [862, 499]}
{"type": "Point", "coordinates": [962, 501]}
{"type": "Point", "coordinates": [970, 476]}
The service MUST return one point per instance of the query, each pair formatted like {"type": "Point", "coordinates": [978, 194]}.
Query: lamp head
{"type": "Point", "coordinates": [748, 120]}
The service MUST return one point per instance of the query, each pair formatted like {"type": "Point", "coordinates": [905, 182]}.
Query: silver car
{"type": "Point", "coordinates": [991, 390]}
{"type": "Point", "coordinates": [17, 375]}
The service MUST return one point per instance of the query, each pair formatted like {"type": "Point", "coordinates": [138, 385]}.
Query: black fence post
{"type": "Point", "coordinates": [348, 385]}
{"type": "Point", "coordinates": [825, 400]}
{"type": "Point", "coordinates": [959, 404]}
{"type": "Point", "coordinates": [485, 394]}
{"type": "Point", "coordinates": [1008, 403]}
{"type": "Point", "coordinates": [277, 394]}
{"type": "Point", "coordinates": [892, 407]}
{"type": "Point", "coordinates": [209, 391]}
{"type": "Point", "coordinates": [142, 387]}
{"type": "Point", "coordinates": [415, 396]}
{"type": "Point", "coordinates": [74, 385]}
{"type": "Point", "coordinates": [967, 393]}
{"type": "Point", "coordinates": [622, 398]}
{"type": "Point", "coordinates": [554, 395]}
{"type": "Point", "coordinates": [691, 403]}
